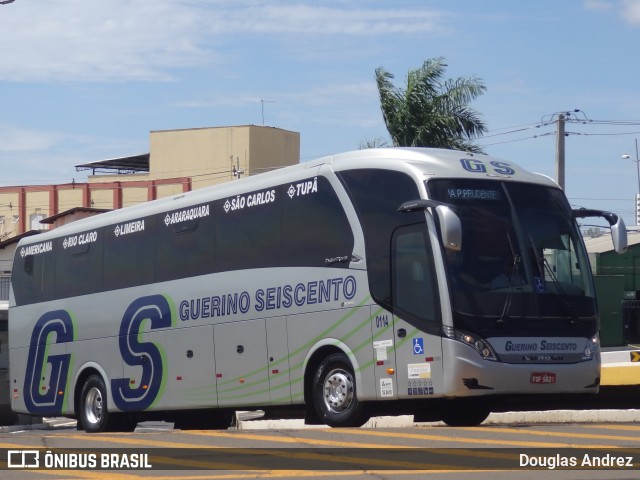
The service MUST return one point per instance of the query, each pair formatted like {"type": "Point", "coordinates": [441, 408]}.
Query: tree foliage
{"type": "Point", "coordinates": [431, 111]}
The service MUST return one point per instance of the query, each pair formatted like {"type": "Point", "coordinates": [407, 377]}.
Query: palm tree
{"type": "Point", "coordinates": [431, 111]}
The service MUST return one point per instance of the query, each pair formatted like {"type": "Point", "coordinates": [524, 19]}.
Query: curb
{"type": "Point", "coordinates": [507, 418]}
{"type": "Point", "coordinates": [401, 421]}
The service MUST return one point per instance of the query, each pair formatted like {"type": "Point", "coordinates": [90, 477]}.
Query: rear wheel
{"type": "Point", "coordinates": [93, 414]}
{"type": "Point", "coordinates": [334, 393]}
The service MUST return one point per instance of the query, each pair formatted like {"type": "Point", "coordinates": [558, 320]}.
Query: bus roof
{"type": "Point", "coordinates": [425, 162]}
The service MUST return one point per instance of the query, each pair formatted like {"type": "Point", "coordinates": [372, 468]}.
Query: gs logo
{"type": "Point", "coordinates": [478, 166]}
{"type": "Point", "coordinates": [48, 399]}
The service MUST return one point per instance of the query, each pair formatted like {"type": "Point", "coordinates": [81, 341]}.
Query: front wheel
{"type": "Point", "coordinates": [334, 393]}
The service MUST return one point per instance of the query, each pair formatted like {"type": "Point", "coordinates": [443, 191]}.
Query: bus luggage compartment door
{"type": "Point", "coordinates": [241, 363]}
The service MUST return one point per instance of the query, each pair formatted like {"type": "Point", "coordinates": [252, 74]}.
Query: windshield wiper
{"type": "Point", "coordinates": [515, 268]}
{"type": "Point", "coordinates": [556, 283]}
{"type": "Point", "coordinates": [507, 303]}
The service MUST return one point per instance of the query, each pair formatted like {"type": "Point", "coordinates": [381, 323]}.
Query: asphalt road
{"type": "Point", "coordinates": [529, 445]}
{"type": "Point", "coordinates": [527, 440]}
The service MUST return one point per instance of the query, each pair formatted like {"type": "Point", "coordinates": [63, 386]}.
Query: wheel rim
{"type": "Point", "coordinates": [93, 406]}
{"type": "Point", "coordinates": [338, 391]}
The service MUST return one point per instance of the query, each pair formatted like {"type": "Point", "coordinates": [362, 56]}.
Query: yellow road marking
{"type": "Point", "coordinates": [478, 441]}
{"type": "Point", "coordinates": [593, 436]}
{"type": "Point", "coordinates": [632, 428]}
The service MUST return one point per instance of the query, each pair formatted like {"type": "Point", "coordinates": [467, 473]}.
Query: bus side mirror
{"type": "Point", "coordinates": [618, 228]}
{"type": "Point", "coordinates": [619, 236]}
{"type": "Point", "coordinates": [450, 228]}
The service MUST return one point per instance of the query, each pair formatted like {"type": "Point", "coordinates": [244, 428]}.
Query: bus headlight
{"type": "Point", "coordinates": [480, 345]}
{"type": "Point", "coordinates": [591, 348]}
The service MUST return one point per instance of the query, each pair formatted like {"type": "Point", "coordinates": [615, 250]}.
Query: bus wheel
{"type": "Point", "coordinates": [93, 414]}
{"type": "Point", "coordinates": [465, 413]}
{"type": "Point", "coordinates": [334, 393]}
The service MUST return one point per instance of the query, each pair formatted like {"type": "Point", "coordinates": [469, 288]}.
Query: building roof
{"type": "Point", "coordinates": [121, 165]}
{"type": "Point", "coordinates": [603, 243]}
{"type": "Point", "coordinates": [17, 238]}
{"type": "Point", "coordinates": [73, 211]}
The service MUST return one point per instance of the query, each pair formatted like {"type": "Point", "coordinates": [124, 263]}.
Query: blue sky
{"type": "Point", "coordinates": [84, 80]}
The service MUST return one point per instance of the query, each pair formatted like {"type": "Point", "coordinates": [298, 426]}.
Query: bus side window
{"type": "Point", "coordinates": [129, 253]}
{"type": "Point", "coordinates": [315, 227]}
{"type": "Point", "coordinates": [376, 195]}
{"type": "Point", "coordinates": [184, 249]}
{"type": "Point", "coordinates": [78, 269]}
{"type": "Point", "coordinates": [415, 293]}
{"type": "Point", "coordinates": [33, 283]}
{"type": "Point", "coordinates": [247, 237]}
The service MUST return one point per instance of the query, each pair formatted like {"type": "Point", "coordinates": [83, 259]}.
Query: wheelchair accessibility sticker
{"type": "Point", "coordinates": [418, 346]}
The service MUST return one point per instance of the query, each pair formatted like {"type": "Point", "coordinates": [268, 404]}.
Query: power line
{"type": "Point", "coordinates": [519, 139]}
{"type": "Point", "coordinates": [586, 134]}
{"type": "Point", "coordinates": [575, 117]}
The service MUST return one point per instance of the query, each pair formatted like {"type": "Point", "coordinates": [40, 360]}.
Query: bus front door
{"type": "Point", "coordinates": [416, 312]}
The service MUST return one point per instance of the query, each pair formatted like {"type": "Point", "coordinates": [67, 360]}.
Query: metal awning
{"type": "Point", "coordinates": [122, 165]}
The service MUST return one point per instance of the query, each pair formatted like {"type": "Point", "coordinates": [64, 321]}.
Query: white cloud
{"type": "Point", "coordinates": [631, 11]}
{"type": "Point", "coordinates": [16, 139]}
{"type": "Point", "coordinates": [598, 4]}
{"type": "Point", "coordinates": [628, 10]}
{"type": "Point", "coordinates": [72, 40]}
{"type": "Point", "coordinates": [120, 40]}
{"type": "Point", "coordinates": [309, 18]}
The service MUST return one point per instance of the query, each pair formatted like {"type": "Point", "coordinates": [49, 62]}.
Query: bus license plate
{"type": "Point", "coordinates": [543, 377]}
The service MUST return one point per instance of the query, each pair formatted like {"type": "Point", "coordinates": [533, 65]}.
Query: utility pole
{"type": "Point", "coordinates": [637, 160]}
{"type": "Point", "coordinates": [560, 151]}
{"type": "Point", "coordinates": [236, 170]}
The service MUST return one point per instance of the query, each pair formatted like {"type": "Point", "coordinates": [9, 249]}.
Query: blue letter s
{"type": "Point", "coordinates": [147, 355]}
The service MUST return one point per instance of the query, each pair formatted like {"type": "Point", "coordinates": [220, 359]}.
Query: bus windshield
{"type": "Point", "coordinates": [521, 256]}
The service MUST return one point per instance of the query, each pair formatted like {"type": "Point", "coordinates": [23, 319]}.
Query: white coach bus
{"type": "Point", "coordinates": [418, 281]}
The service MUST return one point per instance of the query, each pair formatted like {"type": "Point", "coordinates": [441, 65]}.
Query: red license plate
{"type": "Point", "coordinates": [543, 377]}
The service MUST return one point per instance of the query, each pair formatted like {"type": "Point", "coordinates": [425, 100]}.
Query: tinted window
{"type": "Point", "coordinates": [248, 229]}
{"type": "Point", "coordinates": [377, 195]}
{"type": "Point", "coordinates": [129, 253]}
{"type": "Point", "coordinates": [32, 275]}
{"type": "Point", "coordinates": [78, 264]}
{"type": "Point", "coordinates": [315, 228]}
{"type": "Point", "coordinates": [241, 232]}
{"type": "Point", "coordinates": [185, 243]}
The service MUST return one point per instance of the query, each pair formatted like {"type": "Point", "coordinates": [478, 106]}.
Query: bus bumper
{"type": "Point", "coordinates": [471, 375]}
